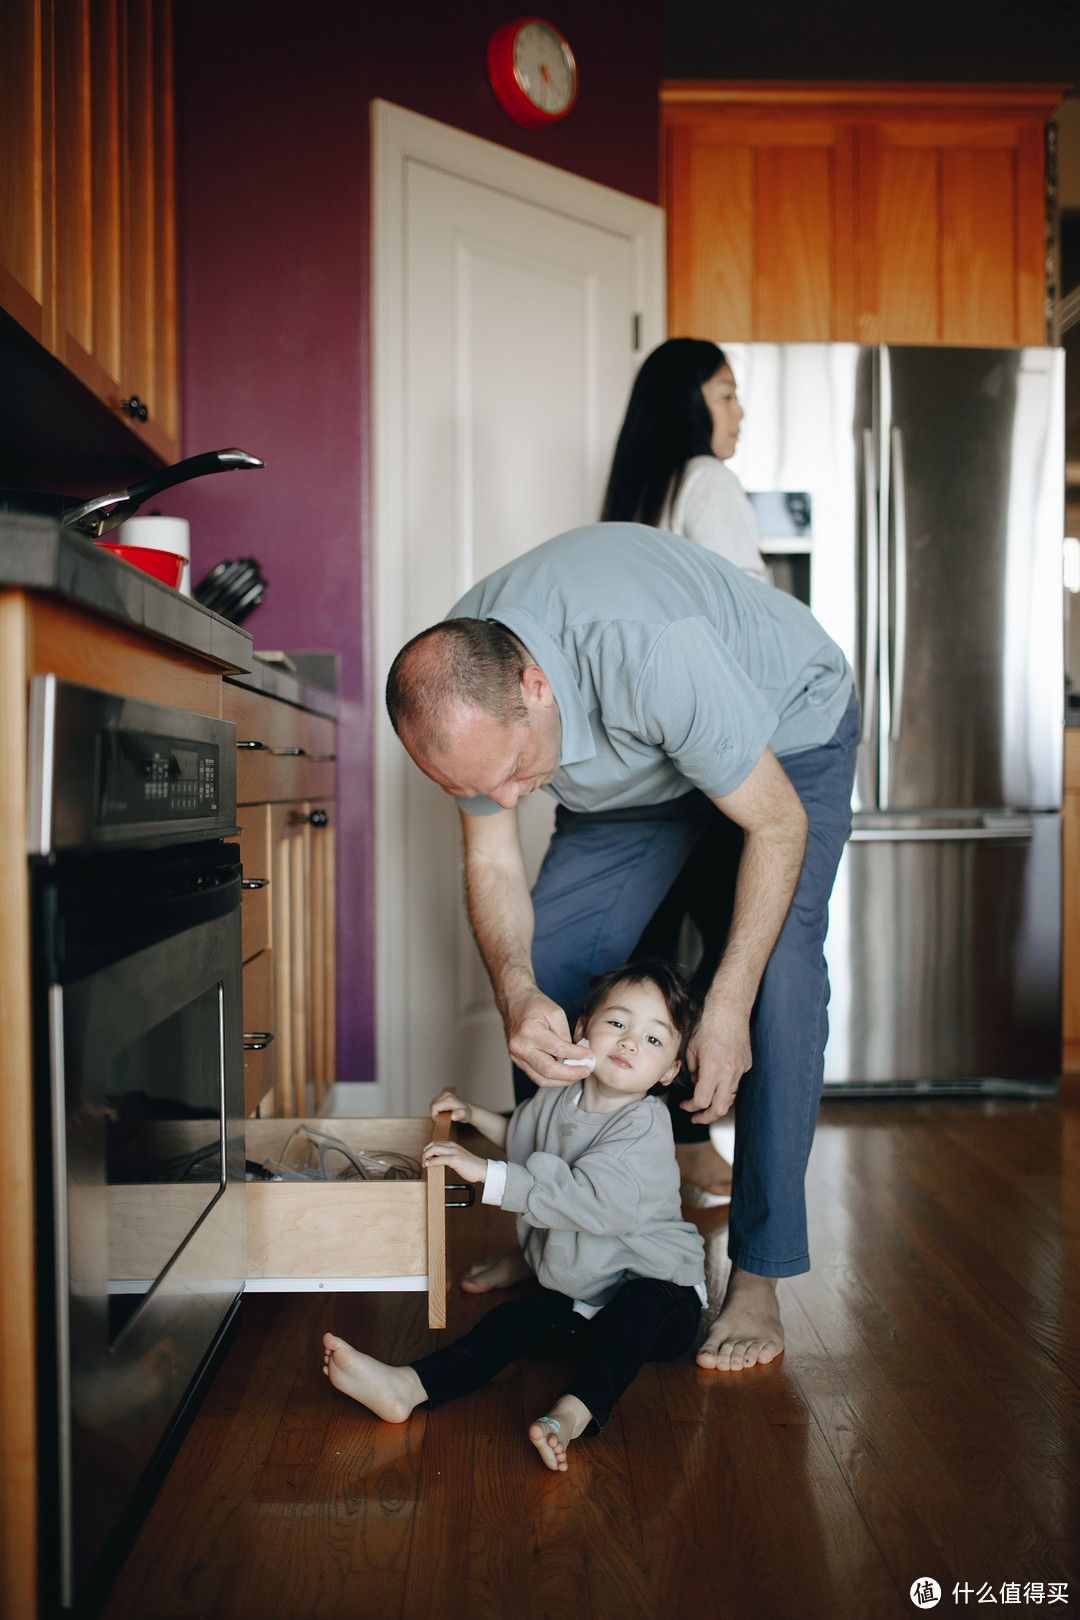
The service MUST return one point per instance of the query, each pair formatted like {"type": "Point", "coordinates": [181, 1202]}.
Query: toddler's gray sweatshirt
{"type": "Point", "coordinates": [597, 1195]}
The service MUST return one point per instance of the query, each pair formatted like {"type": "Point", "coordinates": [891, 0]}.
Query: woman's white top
{"type": "Point", "coordinates": [712, 509]}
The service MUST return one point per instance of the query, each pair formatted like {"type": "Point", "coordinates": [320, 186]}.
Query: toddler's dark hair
{"type": "Point", "coordinates": [682, 1004]}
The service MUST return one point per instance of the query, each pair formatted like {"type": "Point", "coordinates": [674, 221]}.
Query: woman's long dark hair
{"type": "Point", "coordinates": [667, 422]}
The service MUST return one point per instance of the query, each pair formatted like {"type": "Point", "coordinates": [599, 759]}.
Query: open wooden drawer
{"type": "Point", "coordinates": [351, 1236]}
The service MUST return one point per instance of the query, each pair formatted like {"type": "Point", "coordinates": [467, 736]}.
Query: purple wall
{"type": "Point", "coordinates": [273, 185]}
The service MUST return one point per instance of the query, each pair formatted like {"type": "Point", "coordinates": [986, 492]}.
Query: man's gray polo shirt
{"type": "Point", "coordinates": [670, 667]}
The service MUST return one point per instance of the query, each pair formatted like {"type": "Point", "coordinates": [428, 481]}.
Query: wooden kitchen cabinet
{"type": "Point", "coordinates": [87, 204]}
{"type": "Point", "coordinates": [285, 795]}
{"type": "Point", "coordinates": [1070, 952]}
{"type": "Point", "coordinates": [860, 213]}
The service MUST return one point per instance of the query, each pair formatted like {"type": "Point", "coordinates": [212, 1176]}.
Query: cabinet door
{"type": "Point", "coordinates": [87, 207]}
{"type": "Point", "coordinates": [760, 228]}
{"type": "Point", "coordinates": [875, 213]}
{"type": "Point", "coordinates": [321, 880]}
{"type": "Point", "coordinates": [86, 169]}
{"type": "Point", "coordinates": [148, 334]}
{"type": "Point", "coordinates": [302, 945]}
{"type": "Point", "coordinates": [289, 928]}
{"type": "Point", "coordinates": [950, 231]}
{"type": "Point", "coordinates": [1070, 964]}
{"type": "Point", "coordinates": [25, 247]}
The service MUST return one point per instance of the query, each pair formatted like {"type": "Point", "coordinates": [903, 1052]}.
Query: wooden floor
{"type": "Point", "coordinates": [925, 1421]}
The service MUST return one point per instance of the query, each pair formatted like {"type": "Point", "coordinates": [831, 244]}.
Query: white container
{"type": "Point", "coordinates": [161, 534]}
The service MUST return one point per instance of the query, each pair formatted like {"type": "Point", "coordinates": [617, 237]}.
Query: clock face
{"type": "Point", "coordinates": [544, 68]}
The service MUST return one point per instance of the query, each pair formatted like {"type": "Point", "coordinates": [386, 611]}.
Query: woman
{"type": "Point", "coordinates": [681, 425]}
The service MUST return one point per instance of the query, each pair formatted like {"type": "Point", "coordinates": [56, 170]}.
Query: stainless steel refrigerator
{"type": "Point", "coordinates": [915, 498]}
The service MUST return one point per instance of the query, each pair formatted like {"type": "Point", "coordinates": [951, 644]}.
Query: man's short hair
{"type": "Point", "coordinates": [470, 663]}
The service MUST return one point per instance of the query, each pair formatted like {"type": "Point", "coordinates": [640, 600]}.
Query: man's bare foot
{"type": "Point", "coordinates": [389, 1392]}
{"type": "Point", "coordinates": [551, 1435]}
{"type": "Point", "coordinates": [702, 1166]}
{"type": "Point", "coordinates": [503, 1272]}
{"type": "Point", "coordinates": [747, 1332]}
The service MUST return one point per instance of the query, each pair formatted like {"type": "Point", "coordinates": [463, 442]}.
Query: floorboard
{"type": "Point", "coordinates": [924, 1421]}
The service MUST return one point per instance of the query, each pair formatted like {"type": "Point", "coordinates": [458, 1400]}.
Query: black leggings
{"type": "Point", "coordinates": [647, 1320]}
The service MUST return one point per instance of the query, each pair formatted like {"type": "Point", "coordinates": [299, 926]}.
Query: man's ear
{"type": "Point", "coordinates": [535, 687]}
{"type": "Point", "coordinates": [666, 1079]}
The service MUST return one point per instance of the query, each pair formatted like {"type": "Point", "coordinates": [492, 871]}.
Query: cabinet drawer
{"type": "Point", "coordinates": [290, 753]}
{"type": "Point", "coordinates": [260, 1057]}
{"type": "Point", "coordinates": [352, 1235]}
{"type": "Point", "coordinates": [256, 856]}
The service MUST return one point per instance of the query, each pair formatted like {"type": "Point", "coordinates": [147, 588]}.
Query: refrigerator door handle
{"type": "Point", "coordinates": [870, 614]}
{"type": "Point", "coordinates": [1020, 834]}
{"type": "Point", "coordinates": [899, 640]}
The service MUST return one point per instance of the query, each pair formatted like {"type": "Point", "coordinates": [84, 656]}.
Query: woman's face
{"type": "Point", "coordinates": [726, 412]}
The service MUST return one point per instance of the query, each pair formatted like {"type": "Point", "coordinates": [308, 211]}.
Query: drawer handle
{"type": "Point", "coordinates": [322, 759]}
{"type": "Point", "coordinates": [292, 752]}
{"type": "Point", "coordinates": [262, 745]}
{"type": "Point", "coordinates": [255, 883]}
{"type": "Point", "coordinates": [460, 1187]}
{"type": "Point", "coordinates": [257, 1040]}
{"type": "Point", "coordinates": [316, 818]}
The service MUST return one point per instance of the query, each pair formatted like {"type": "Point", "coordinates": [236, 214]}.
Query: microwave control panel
{"type": "Point", "coordinates": [142, 777]}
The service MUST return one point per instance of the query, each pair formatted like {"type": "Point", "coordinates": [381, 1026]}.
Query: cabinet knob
{"type": "Point", "coordinates": [256, 1040]}
{"type": "Point", "coordinates": [134, 407]}
{"type": "Point", "coordinates": [317, 818]}
{"type": "Point", "coordinates": [253, 745]}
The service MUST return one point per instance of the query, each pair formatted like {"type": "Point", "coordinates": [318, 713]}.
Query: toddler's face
{"type": "Point", "coordinates": [633, 1039]}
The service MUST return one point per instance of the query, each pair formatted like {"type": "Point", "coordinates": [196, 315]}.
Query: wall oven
{"type": "Point", "coordinates": [139, 1087]}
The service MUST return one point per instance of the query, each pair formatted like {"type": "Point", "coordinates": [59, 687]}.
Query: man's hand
{"type": "Point", "coordinates": [453, 1157]}
{"type": "Point", "coordinates": [767, 808]}
{"type": "Point", "coordinates": [717, 1057]}
{"type": "Point", "coordinates": [539, 1040]}
{"type": "Point", "coordinates": [448, 1102]}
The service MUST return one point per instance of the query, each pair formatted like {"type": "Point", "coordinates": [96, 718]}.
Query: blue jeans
{"type": "Point", "coordinates": [603, 877]}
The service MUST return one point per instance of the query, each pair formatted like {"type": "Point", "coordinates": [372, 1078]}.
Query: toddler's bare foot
{"type": "Point", "coordinates": [747, 1332]}
{"type": "Point", "coordinates": [702, 1166]}
{"type": "Point", "coordinates": [551, 1435]}
{"type": "Point", "coordinates": [503, 1272]}
{"type": "Point", "coordinates": [389, 1392]}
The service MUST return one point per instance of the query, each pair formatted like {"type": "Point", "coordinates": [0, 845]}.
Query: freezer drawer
{"type": "Point", "coordinates": [944, 955]}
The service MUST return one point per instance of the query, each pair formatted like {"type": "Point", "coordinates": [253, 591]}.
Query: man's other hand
{"type": "Point", "coordinates": [717, 1057]}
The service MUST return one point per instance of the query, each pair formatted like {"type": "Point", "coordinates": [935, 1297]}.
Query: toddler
{"type": "Point", "coordinates": [591, 1175]}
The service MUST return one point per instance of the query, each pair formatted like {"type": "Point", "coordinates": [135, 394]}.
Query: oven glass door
{"type": "Point", "coordinates": [147, 1079]}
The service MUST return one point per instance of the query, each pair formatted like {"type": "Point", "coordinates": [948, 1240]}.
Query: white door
{"type": "Point", "coordinates": [520, 327]}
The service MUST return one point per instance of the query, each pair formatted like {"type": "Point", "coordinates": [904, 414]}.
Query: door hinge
{"type": "Point", "coordinates": [636, 332]}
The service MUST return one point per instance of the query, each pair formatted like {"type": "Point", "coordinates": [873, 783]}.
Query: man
{"type": "Point", "coordinates": [649, 686]}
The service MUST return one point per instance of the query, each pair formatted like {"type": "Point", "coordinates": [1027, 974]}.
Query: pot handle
{"type": "Point", "coordinates": [211, 461]}
{"type": "Point", "coordinates": [105, 512]}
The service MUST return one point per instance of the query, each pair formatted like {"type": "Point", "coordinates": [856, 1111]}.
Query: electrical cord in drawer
{"type": "Point", "coordinates": [314, 1156]}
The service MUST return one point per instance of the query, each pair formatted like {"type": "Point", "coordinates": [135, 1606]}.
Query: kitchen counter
{"type": "Point", "coordinates": [37, 554]}
{"type": "Point", "coordinates": [274, 681]}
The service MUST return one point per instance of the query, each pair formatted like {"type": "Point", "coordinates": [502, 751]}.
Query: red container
{"type": "Point", "coordinates": [168, 566]}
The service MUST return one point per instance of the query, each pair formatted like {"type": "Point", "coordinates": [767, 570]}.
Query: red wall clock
{"type": "Point", "coordinates": [532, 72]}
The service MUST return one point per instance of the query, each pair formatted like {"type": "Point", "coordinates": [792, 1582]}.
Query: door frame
{"type": "Point", "coordinates": [398, 138]}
